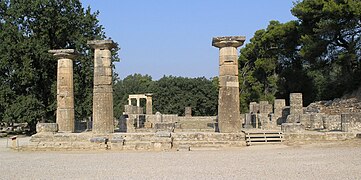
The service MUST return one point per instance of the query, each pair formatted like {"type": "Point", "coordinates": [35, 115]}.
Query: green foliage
{"type": "Point", "coordinates": [318, 55]}
{"type": "Point", "coordinates": [132, 84]}
{"type": "Point", "coordinates": [330, 42]}
{"type": "Point", "coordinates": [28, 71]}
{"type": "Point", "coordinates": [170, 94]}
{"type": "Point", "coordinates": [269, 51]}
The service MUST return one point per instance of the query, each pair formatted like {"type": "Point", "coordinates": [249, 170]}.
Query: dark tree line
{"type": "Point", "coordinates": [170, 94]}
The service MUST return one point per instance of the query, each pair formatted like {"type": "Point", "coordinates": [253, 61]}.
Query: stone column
{"type": "Point", "coordinates": [229, 120]}
{"type": "Point", "coordinates": [129, 101]}
{"type": "Point", "coordinates": [65, 90]}
{"type": "Point", "coordinates": [279, 105]}
{"type": "Point", "coordinates": [138, 102]}
{"type": "Point", "coordinates": [296, 108]}
{"type": "Point", "coordinates": [188, 112]}
{"type": "Point", "coordinates": [149, 104]}
{"type": "Point", "coordinates": [296, 104]}
{"type": "Point", "coordinates": [103, 90]}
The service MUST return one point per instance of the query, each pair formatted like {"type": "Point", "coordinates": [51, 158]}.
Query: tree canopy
{"type": "Point", "coordinates": [318, 54]}
{"type": "Point", "coordinates": [170, 94]}
{"type": "Point", "coordinates": [28, 72]}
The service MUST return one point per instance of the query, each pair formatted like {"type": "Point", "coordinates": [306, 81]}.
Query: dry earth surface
{"type": "Point", "coordinates": [316, 161]}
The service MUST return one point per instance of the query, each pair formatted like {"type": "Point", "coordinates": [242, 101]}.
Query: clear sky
{"type": "Point", "coordinates": [173, 37]}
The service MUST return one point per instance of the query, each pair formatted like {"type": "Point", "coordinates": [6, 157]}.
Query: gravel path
{"type": "Point", "coordinates": [254, 162]}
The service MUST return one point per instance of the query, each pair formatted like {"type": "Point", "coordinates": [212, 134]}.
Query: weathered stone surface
{"type": "Point", "coordinates": [351, 122]}
{"type": "Point", "coordinates": [65, 89]}
{"type": "Point", "coordinates": [293, 118]}
{"type": "Point", "coordinates": [314, 137]}
{"type": "Point", "coordinates": [292, 128]}
{"type": "Point", "coordinates": [196, 123]}
{"type": "Point", "coordinates": [332, 122]}
{"type": "Point", "coordinates": [228, 41]}
{"type": "Point", "coordinates": [316, 121]}
{"type": "Point", "coordinates": [296, 103]}
{"type": "Point", "coordinates": [165, 126]}
{"type": "Point", "coordinates": [188, 112]}
{"type": "Point", "coordinates": [102, 91]}
{"type": "Point", "coordinates": [149, 104]}
{"type": "Point", "coordinates": [229, 120]}
{"type": "Point", "coordinates": [46, 127]}
{"type": "Point", "coordinates": [278, 108]}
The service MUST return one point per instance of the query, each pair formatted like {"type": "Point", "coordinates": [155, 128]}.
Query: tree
{"type": "Point", "coordinates": [28, 72]}
{"type": "Point", "coordinates": [330, 40]}
{"type": "Point", "coordinates": [132, 84]}
{"type": "Point", "coordinates": [173, 94]}
{"type": "Point", "coordinates": [262, 62]}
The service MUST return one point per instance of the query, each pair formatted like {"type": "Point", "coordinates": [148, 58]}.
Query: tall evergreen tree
{"type": "Point", "coordinates": [27, 72]}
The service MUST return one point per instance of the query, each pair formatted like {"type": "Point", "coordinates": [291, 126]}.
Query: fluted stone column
{"type": "Point", "coordinates": [103, 90]}
{"type": "Point", "coordinates": [149, 104]}
{"type": "Point", "coordinates": [229, 120]}
{"type": "Point", "coordinates": [65, 90]}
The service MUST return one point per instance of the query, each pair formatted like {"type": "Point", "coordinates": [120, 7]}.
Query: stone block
{"type": "Point", "coordinates": [188, 112]}
{"type": "Point", "coordinates": [163, 134]}
{"type": "Point", "coordinates": [103, 80]}
{"type": "Point", "coordinates": [46, 127]}
{"type": "Point", "coordinates": [292, 128]}
{"type": "Point", "coordinates": [164, 126]}
{"type": "Point", "coordinates": [296, 103]}
{"type": "Point", "coordinates": [305, 120]}
{"type": "Point", "coordinates": [224, 79]}
{"type": "Point", "coordinates": [293, 118]}
{"type": "Point", "coordinates": [99, 139]}
{"type": "Point", "coordinates": [351, 122]}
{"type": "Point", "coordinates": [332, 122]}
{"type": "Point", "coordinates": [316, 120]}
{"type": "Point", "coordinates": [228, 70]}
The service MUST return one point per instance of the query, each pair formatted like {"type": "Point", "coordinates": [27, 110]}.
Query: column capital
{"type": "Point", "coordinates": [102, 44]}
{"type": "Point", "coordinates": [228, 41]}
{"type": "Point", "coordinates": [63, 53]}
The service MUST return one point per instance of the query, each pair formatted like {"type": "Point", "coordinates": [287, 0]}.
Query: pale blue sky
{"type": "Point", "coordinates": [173, 37]}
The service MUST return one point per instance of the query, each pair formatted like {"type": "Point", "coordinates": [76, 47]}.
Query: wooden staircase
{"type": "Point", "coordinates": [263, 137]}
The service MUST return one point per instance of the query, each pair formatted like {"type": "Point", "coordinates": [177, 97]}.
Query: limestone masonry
{"type": "Point", "coordinates": [65, 89]}
{"type": "Point", "coordinates": [229, 120]}
{"type": "Point", "coordinates": [139, 128]}
{"type": "Point", "coordinates": [103, 86]}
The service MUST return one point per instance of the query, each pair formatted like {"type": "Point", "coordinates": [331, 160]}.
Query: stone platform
{"type": "Point", "coordinates": [159, 141]}
{"type": "Point", "coordinates": [307, 137]}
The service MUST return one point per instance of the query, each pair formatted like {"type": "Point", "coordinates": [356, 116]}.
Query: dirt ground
{"type": "Point", "coordinates": [315, 161]}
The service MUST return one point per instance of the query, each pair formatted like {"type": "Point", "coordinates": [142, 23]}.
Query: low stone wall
{"type": "Point", "coordinates": [316, 137]}
{"type": "Point", "coordinates": [321, 121]}
{"type": "Point", "coordinates": [158, 141]}
{"type": "Point", "coordinates": [214, 140]}
{"type": "Point", "coordinates": [197, 122]}
{"type": "Point", "coordinates": [351, 122]}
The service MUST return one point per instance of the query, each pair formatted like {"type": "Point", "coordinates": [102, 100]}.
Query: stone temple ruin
{"type": "Point", "coordinates": [139, 130]}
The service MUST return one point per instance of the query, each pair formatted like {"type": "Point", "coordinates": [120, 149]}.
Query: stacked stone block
{"type": "Point", "coordinates": [65, 89]}
{"type": "Point", "coordinates": [103, 90]}
{"type": "Point", "coordinates": [228, 99]}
